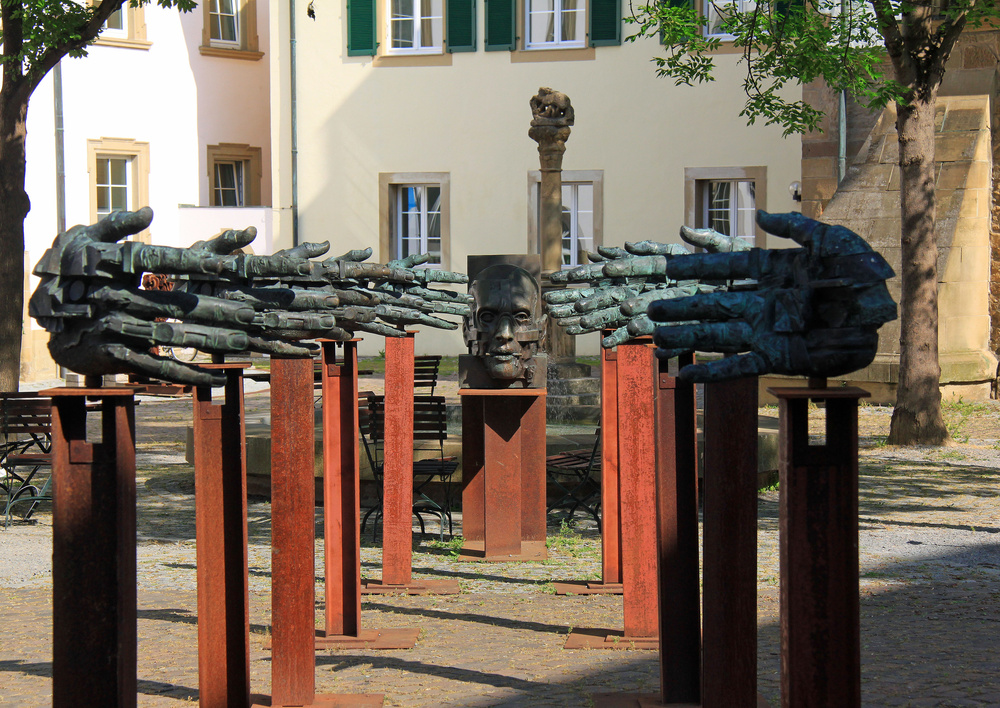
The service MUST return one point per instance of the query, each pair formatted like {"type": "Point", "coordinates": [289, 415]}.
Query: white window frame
{"type": "Point", "coordinates": [417, 21]}
{"type": "Point", "coordinates": [713, 14]}
{"type": "Point", "coordinates": [557, 13]}
{"type": "Point", "coordinates": [424, 214]}
{"type": "Point", "coordinates": [107, 31]}
{"type": "Point", "coordinates": [696, 193]}
{"type": "Point", "coordinates": [391, 188]}
{"type": "Point", "coordinates": [237, 24]}
{"type": "Point", "coordinates": [240, 170]}
{"type": "Point", "coordinates": [129, 186]}
{"type": "Point", "coordinates": [734, 207]}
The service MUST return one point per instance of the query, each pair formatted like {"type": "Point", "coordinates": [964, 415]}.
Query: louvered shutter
{"type": "Point", "coordinates": [500, 35]}
{"type": "Point", "coordinates": [361, 28]}
{"type": "Point", "coordinates": [461, 18]}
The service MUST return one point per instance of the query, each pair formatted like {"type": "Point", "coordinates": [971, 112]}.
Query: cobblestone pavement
{"type": "Point", "coordinates": [930, 586]}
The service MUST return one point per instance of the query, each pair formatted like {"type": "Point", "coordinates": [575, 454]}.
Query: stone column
{"type": "Point", "coordinates": [551, 119]}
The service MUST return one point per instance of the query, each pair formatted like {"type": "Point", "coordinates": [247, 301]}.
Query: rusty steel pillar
{"type": "Point", "coordinates": [397, 495]}
{"type": "Point", "coordinates": [341, 489]}
{"type": "Point", "coordinates": [611, 557]}
{"type": "Point", "coordinates": [342, 511]}
{"type": "Point", "coordinates": [636, 382]}
{"type": "Point", "coordinates": [730, 537]}
{"type": "Point", "coordinates": [820, 627]}
{"type": "Point", "coordinates": [293, 494]}
{"type": "Point", "coordinates": [93, 550]}
{"type": "Point", "coordinates": [220, 479]}
{"type": "Point", "coordinates": [503, 462]}
{"type": "Point", "coordinates": [677, 537]}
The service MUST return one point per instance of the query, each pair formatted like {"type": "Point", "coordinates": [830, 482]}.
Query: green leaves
{"type": "Point", "coordinates": [785, 43]}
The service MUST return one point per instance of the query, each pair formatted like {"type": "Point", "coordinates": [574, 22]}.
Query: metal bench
{"type": "Point", "coordinates": [26, 448]}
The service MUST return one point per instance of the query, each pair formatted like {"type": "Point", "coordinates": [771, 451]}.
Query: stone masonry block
{"type": "Point", "coordinates": [963, 299]}
{"type": "Point", "coordinates": [964, 119]}
{"type": "Point", "coordinates": [968, 232]}
{"type": "Point", "coordinates": [822, 189]}
{"type": "Point", "coordinates": [819, 167]}
{"type": "Point", "coordinates": [979, 56]}
{"type": "Point", "coordinates": [964, 333]}
{"type": "Point", "coordinates": [952, 175]}
{"type": "Point", "coordinates": [966, 264]}
{"type": "Point", "coordinates": [950, 147]}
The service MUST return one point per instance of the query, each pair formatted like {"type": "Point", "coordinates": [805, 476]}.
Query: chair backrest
{"type": "Point", "coordinates": [430, 422]}
{"type": "Point", "coordinates": [26, 419]}
{"type": "Point", "coordinates": [425, 372]}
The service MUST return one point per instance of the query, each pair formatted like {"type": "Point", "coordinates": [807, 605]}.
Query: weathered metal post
{"type": "Point", "coordinates": [820, 626]}
{"type": "Point", "coordinates": [397, 496]}
{"type": "Point", "coordinates": [220, 478]}
{"type": "Point", "coordinates": [93, 550]}
{"type": "Point", "coordinates": [730, 537]}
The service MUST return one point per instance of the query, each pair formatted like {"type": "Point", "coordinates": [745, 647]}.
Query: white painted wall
{"type": "Point", "coordinates": [470, 119]}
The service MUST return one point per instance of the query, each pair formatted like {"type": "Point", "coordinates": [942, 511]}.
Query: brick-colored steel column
{"type": "Point", "coordinates": [820, 628]}
{"type": "Point", "coordinates": [93, 551]}
{"type": "Point", "coordinates": [502, 476]}
{"type": "Point", "coordinates": [221, 532]}
{"type": "Point", "coordinates": [341, 490]}
{"type": "Point", "coordinates": [293, 654]}
{"type": "Point", "coordinates": [677, 542]}
{"type": "Point", "coordinates": [730, 537]}
{"type": "Point", "coordinates": [637, 470]}
{"type": "Point", "coordinates": [473, 485]}
{"type": "Point", "coordinates": [397, 496]}
{"type": "Point", "coordinates": [611, 540]}
{"type": "Point", "coordinates": [533, 516]}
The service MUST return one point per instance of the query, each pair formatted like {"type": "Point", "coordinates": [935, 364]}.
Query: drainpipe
{"type": "Point", "coordinates": [295, 127]}
{"type": "Point", "coordinates": [60, 149]}
{"type": "Point", "coordinates": [842, 139]}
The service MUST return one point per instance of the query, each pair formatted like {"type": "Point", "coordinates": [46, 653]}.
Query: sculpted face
{"type": "Point", "coordinates": [504, 315]}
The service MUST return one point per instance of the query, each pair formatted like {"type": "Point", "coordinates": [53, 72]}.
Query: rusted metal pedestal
{"type": "Point", "coordinates": [293, 637]}
{"type": "Point", "coordinates": [638, 469]}
{"type": "Point", "coordinates": [341, 510]}
{"type": "Point", "coordinates": [93, 550]}
{"type": "Point", "coordinates": [611, 539]}
{"type": "Point", "coordinates": [503, 463]}
{"type": "Point", "coordinates": [397, 494]}
{"type": "Point", "coordinates": [220, 478]}
{"type": "Point", "coordinates": [820, 628]}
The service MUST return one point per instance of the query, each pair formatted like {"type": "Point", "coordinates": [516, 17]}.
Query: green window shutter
{"type": "Point", "coordinates": [361, 28]}
{"type": "Point", "coordinates": [461, 19]}
{"type": "Point", "coordinates": [500, 35]}
{"type": "Point", "coordinates": [605, 23]}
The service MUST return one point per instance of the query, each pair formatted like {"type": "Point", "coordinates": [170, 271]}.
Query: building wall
{"type": "Point", "coordinates": [165, 93]}
{"type": "Point", "coordinates": [467, 115]}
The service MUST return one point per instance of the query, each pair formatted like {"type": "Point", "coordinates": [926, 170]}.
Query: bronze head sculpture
{"type": "Point", "coordinates": [505, 328]}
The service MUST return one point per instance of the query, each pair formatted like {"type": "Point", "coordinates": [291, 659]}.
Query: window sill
{"type": "Point", "coordinates": [553, 54]}
{"type": "Point", "coordinates": [412, 60]}
{"type": "Point", "coordinates": [124, 43]}
{"type": "Point", "coordinates": [244, 54]}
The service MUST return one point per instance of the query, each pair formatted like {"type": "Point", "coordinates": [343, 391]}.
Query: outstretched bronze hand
{"type": "Point", "coordinates": [621, 283]}
{"type": "Point", "coordinates": [101, 322]}
{"type": "Point", "coordinates": [813, 310]}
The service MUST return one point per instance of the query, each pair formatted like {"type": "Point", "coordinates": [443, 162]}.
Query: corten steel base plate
{"type": "Point", "coordinates": [585, 638]}
{"type": "Point", "coordinates": [588, 587]}
{"type": "Point", "coordinates": [417, 587]}
{"type": "Point", "coordinates": [530, 551]}
{"type": "Point", "coordinates": [328, 700]}
{"type": "Point", "coordinates": [370, 639]}
{"type": "Point", "coordinates": [648, 700]}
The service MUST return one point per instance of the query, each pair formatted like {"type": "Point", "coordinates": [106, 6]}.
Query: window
{"type": "Point", "coordinates": [415, 26]}
{"type": "Point", "coordinates": [234, 173]}
{"type": "Point", "coordinates": [414, 216]}
{"type": "Point", "coordinates": [126, 27]}
{"type": "Point", "coordinates": [582, 214]}
{"type": "Point", "coordinates": [119, 177]}
{"type": "Point", "coordinates": [230, 29]}
{"type": "Point", "coordinates": [726, 199]}
{"type": "Point", "coordinates": [718, 12]}
{"type": "Point", "coordinates": [730, 207]}
{"type": "Point", "coordinates": [411, 27]}
{"type": "Point", "coordinates": [554, 23]}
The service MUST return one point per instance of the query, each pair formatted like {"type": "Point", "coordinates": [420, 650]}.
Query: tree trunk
{"type": "Point", "coordinates": [14, 207]}
{"type": "Point", "coordinates": [917, 417]}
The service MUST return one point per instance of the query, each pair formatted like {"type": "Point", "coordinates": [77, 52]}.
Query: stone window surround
{"type": "Point", "coordinates": [596, 177]}
{"type": "Point", "coordinates": [252, 173]}
{"type": "Point", "coordinates": [387, 182]}
{"type": "Point", "coordinates": [135, 31]}
{"type": "Point", "coordinates": [249, 42]}
{"type": "Point", "coordinates": [138, 153]}
{"type": "Point", "coordinates": [695, 183]}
